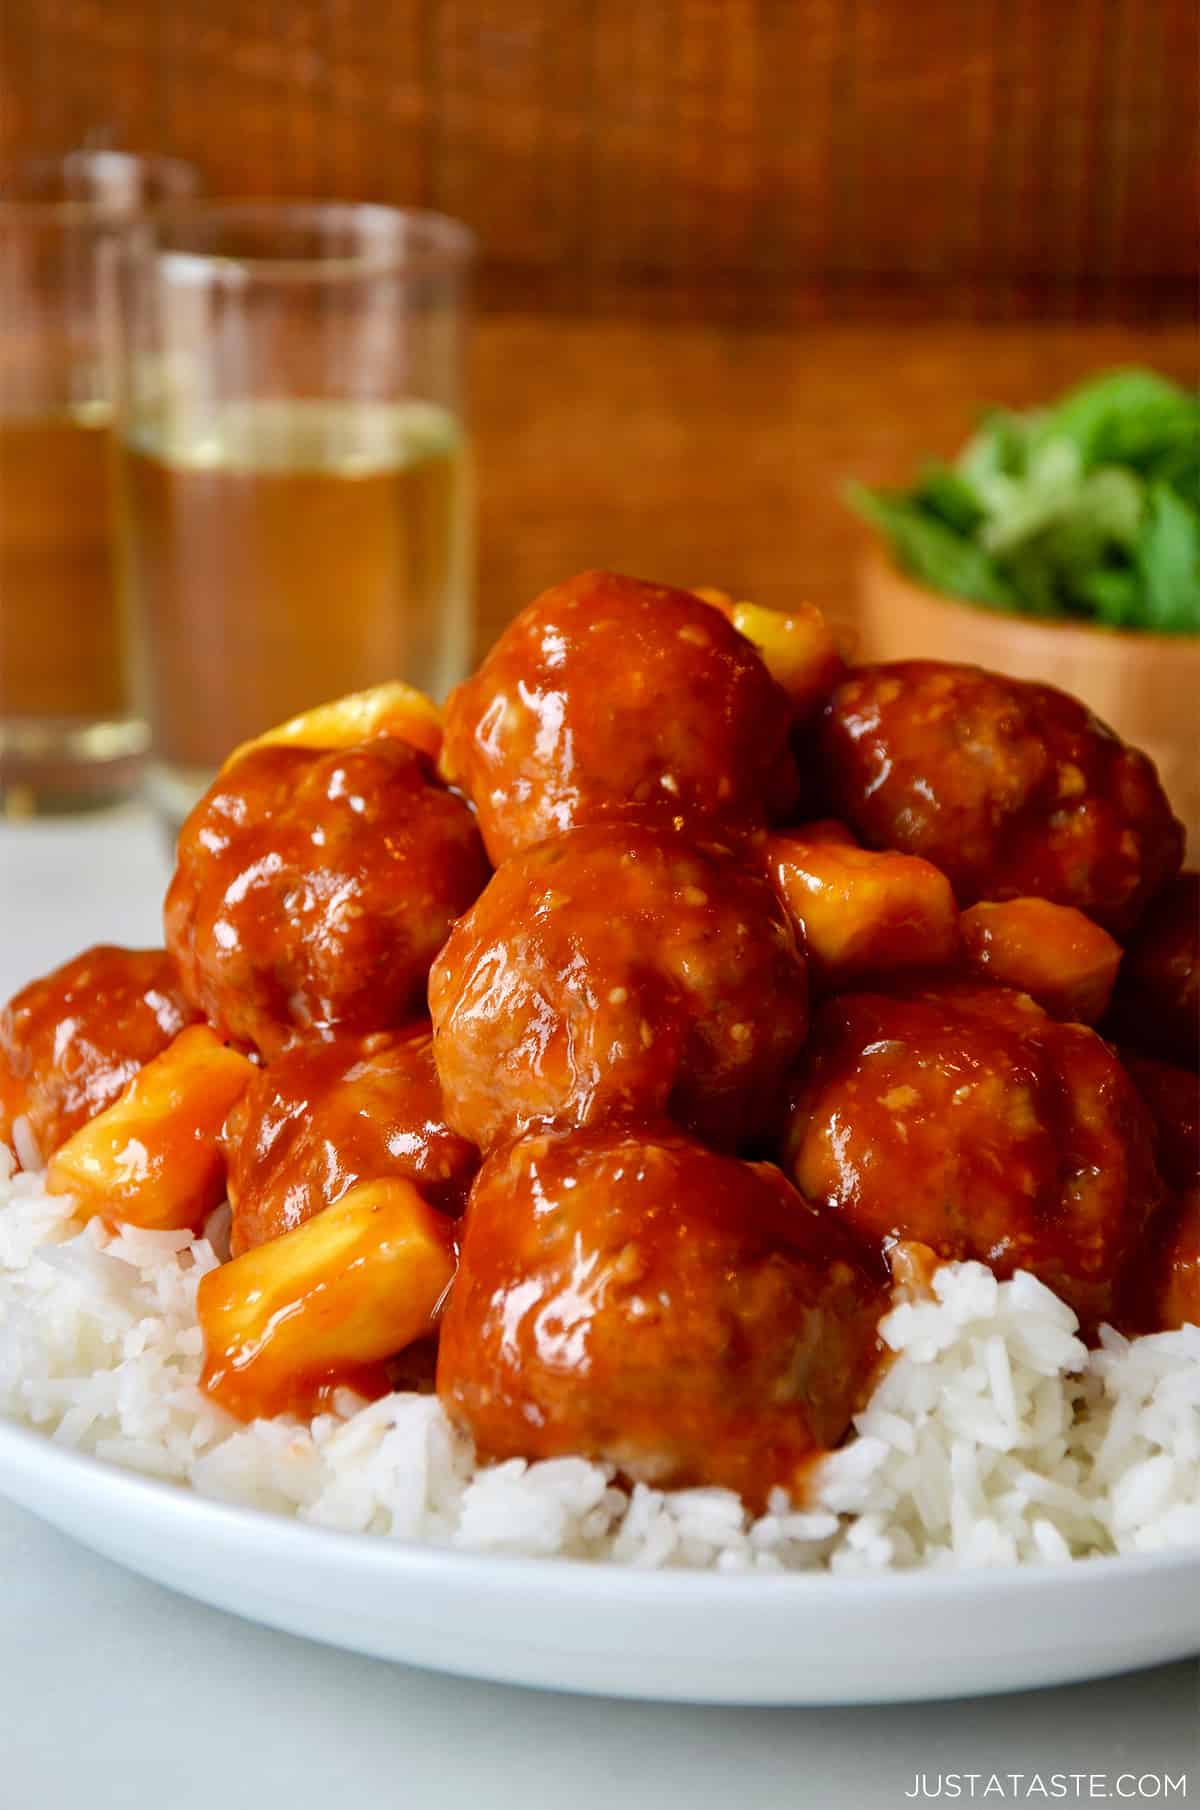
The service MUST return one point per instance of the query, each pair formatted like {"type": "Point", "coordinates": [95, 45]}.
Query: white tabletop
{"type": "Point", "coordinates": [119, 1695]}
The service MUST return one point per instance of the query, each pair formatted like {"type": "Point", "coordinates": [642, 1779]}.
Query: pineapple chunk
{"type": "Point", "coordinates": [1052, 952]}
{"type": "Point", "coordinates": [859, 914]}
{"type": "Point", "coordinates": [393, 709]}
{"type": "Point", "coordinates": [152, 1158]}
{"type": "Point", "coordinates": [797, 647]}
{"type": "Point", "coordinates": [348, 1288]}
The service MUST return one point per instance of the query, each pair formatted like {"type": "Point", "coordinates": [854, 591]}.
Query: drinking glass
{"type": "Point", "coordinates": [294, 479]}
{"type": "Point", "coordinates": [69, 736]}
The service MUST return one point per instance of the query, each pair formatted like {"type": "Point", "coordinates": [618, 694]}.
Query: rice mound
{"type": "Point", "coordinates": [994, 1437]}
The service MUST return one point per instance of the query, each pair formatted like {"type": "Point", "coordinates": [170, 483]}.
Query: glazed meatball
{"type": "Point", "coordinates": [1172, 1098]}
{"type": "Point", "coordinates": [609, 697]}
{"type": "Point", "coordinates": [1177, 1301]}
{"type": "Point", "coordinates": [313, 890]}
{"type": "Point", "coordinates": [1011, 788]}
{"type": "Point", "coordinates": [619, 971]}
{"type": "Point", "coordinates": [1156, 1006]}
{"type": "Point", "coordinates": [70, 1043]}
{"type": "Point", "coordinates": [324, 1116]}
{"type": "Point", "coordinates": [635, 1298]}
{"type": "Point", "coordinates": [965, 1118]}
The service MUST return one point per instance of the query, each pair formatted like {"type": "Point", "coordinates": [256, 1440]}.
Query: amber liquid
{"type": "Point", "coordinates": [63, 692]}
{"type": "Point", "coordinates": [295, 551]}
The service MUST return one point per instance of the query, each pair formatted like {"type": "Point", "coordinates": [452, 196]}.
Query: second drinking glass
{"type": "Point", "coordinates": [294, 507]}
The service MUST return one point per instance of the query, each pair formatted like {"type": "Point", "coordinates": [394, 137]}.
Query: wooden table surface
{"type": "Point", "coordinates": [707, 454]}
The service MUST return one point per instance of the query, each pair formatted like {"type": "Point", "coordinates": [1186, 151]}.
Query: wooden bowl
{"type": "Point", "coordinates": [1146, 687]}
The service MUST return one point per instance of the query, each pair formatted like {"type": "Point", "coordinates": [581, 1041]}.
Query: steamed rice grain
{"type": "Point", "coordinates": [993, 1438]}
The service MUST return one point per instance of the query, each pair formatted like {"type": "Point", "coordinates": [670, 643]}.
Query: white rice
{"type": "Point", "coordinates": [994, 1437]}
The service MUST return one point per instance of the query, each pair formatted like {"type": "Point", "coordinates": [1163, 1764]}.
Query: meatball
{"type": "Point", "coordinates": [632, 1297]}
{"type": "Point", "coordinates": [71, 1042]}
{"type": "Point", "coordinates": [314, 889]}
{"type": "Point", "coordinates": [1156, 1006]}
{"type": "Point", "coordinates": [619, 971]}
{"type": "Point", "coordinates": [325, 1116]}
{"type": "Point", "coordinates": [1165, 1289]}
{"type": "Point", "coordinates": [965, 1118]}
{"type": "Point", "coordinates": [1012, 789]}
{"type": "Point", "coordinates": [609, 696]}
{"type": "Point", "coordinates": [1172, 1098]}
{"type": "Point", "coordinates": [1177, 1302]}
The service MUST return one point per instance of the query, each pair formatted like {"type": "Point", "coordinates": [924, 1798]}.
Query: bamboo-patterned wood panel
{"type": "Point", "coordinates": [708, 455]}
{"type": "Point", "coordinates": [746, 159]}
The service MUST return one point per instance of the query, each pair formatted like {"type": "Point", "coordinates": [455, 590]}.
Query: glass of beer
{"type": "Point", "coordinates": [69, 734]}
{"type": "Point", "coordinates": [294, 479]}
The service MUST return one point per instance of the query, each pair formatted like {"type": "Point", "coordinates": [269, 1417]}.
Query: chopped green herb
{"type": "Point", "coordinates": [1167, 558]}
{"type": "Point", "coordinates": [944, 558]}
{"type": "Point", "coordinates": [1088, 508]}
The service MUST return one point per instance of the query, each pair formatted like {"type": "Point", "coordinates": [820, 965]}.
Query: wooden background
{"type": "Point", "coordinates": [733, 249]}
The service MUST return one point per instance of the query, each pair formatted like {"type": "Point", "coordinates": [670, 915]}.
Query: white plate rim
{"type": "Point", "coordinates": [33, 1451]}
{"type": "Point", "coordinates": [762, 1639]}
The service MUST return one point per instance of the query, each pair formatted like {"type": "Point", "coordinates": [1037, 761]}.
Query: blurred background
{"type": "Point", "coordinates": [732, 251]}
